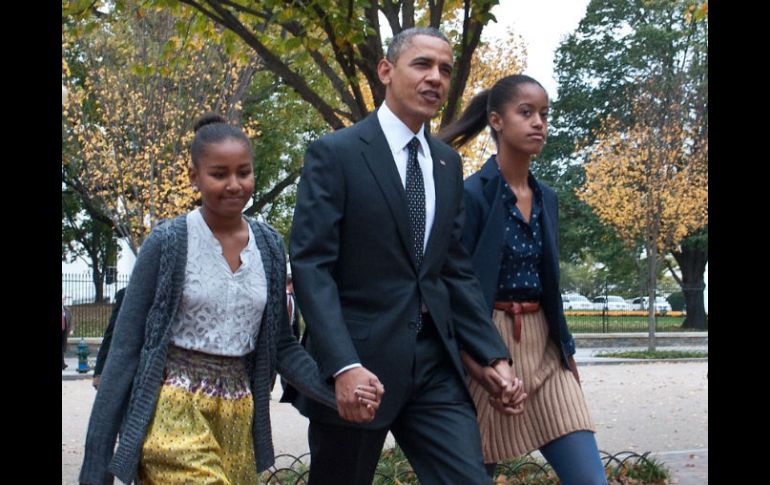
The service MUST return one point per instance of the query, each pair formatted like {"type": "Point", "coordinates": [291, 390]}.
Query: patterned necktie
{"type": "Point", "coordinates": [415, 199]}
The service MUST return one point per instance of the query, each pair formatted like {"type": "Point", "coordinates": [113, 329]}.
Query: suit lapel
{"type": "Point", "coordinates": [442, 180]}
{"type": "Point", "coordinates": [378, 157]}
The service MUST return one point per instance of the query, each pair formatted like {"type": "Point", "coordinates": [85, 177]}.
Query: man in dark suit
{"type": "Point", "coordinates": [385, 287]}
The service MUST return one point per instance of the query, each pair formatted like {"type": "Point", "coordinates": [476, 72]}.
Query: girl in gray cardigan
{"type": "Point", "coordinates": [201, 333]}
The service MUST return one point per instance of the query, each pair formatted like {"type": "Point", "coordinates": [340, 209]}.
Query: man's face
{"type": "Point", "coordinates": [418, 81]}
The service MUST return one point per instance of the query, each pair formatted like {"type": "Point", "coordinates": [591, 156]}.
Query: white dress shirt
{"type": "Point", "coordinates": [398, 136]}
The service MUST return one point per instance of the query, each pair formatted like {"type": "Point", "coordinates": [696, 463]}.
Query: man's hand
{"type": "Point", "coordinates": [97, 380]}
{"type": "Point", "coordinates": [486, 376]}
{"type": "Point", "coordinates": [354, 401]}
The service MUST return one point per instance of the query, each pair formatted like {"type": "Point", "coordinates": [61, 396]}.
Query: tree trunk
{"type": "Point", "coordinates": [652, 273]}
{"type": "Point", "coordinates": [98, 279]}
{"type": "Point", "coordinates": [692, 263]}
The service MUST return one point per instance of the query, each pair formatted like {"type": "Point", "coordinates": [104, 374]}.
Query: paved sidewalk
{"type": "Point", "coordinates": [660, 407]}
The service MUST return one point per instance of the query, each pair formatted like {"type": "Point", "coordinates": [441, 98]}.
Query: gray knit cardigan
{"type": "Point", "coordinates": [133, 373]}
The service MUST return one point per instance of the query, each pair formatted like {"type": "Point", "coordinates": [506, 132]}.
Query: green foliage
{"type": "Point", "coordinates": [393, 468]}
{"type": "Point", "coordinates": [184, 41]}
{"type": "Point", "coordinates": [625, 277]}
{"type": "Point", "coordinates": [676, 300]}
{"type": "Point", "coordinates": [327, 51]}
{"type": "Point", "coordinates": [578, 322]}
{"type": "Point", "coordinates": [286, 127]}
{"type": "Point", "coordinates": [87, 238]}
{"type": "Point", "coordinates": [648, 471]}
{"type": "Point", "coordinates": [656, 354]}
{"type": "Point", "coordinates": [394, 465]}
{"type": "Point", "coordinates": [598, 67]}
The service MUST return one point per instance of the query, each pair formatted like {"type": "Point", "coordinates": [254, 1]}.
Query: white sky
{"type": "Point", "coordinates": [542, 24]}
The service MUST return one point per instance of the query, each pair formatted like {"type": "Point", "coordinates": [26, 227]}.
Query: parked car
{"type": "Point", "coordinates": [612, 303]}
{"type": "Point", "coordinates": [575, 301]}
{"type": "Point", "coordinates": [661, 305]}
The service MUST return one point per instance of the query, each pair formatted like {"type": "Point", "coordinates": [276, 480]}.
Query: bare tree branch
{"type": "Point", "coordinates": [273, 62]}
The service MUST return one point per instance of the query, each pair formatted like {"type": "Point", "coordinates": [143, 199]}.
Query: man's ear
{"type": "Point", "coordinates": [384, 69]}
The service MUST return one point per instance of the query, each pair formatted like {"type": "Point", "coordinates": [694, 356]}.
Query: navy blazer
{"type": "Point", "coordinates": [483, 237]}
{"type": "Point", "coordinates": [355, 276]}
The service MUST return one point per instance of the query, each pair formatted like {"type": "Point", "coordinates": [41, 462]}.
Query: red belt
{"type": "Point", "coordinates": [515, 309]}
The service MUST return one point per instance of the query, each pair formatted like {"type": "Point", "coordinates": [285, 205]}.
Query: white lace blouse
{"type": "Point", "coordinates": [220, 310]}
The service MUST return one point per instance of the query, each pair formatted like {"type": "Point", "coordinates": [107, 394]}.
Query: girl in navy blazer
{"type": "Point", "coordinates": [511, 231]}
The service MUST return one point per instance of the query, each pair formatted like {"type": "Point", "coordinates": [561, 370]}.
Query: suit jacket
{"type": "Point", "coordinates": [355, 276]}
{"type": "Point", "coordinates": [483, 237]}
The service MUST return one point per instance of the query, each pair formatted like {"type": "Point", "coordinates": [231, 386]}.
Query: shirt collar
{"type": "Point", "coordinates": [397, 133]}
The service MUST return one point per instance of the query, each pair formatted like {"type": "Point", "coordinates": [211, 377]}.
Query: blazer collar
{"type": "Point", "coordinates": [490, 176]}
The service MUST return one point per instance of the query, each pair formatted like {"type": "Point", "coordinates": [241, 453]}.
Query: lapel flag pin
{"type": "Point", "coordinates": [442, 162]}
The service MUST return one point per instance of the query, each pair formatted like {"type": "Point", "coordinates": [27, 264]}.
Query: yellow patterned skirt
{"type": "Point", "coordinates": [554, 406]}
{"type": "Point", "coordinates": [201, 430]}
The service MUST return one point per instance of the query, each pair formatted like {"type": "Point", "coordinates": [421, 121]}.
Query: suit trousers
{"type": "Point", "coordinates": [436, 428]}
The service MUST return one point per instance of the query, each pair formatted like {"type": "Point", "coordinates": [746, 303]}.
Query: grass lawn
{"type": "Point", "coordinates": [622, 323]}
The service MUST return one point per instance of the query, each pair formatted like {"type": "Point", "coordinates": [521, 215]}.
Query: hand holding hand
{"type": "Point", "coordinates": [355, 401]}
{"type": "Point", "coordinates": [370, 396]}
{"type": "Point", "coordinates": [511, 398]}
{"type": "Point", "coordinates": [486, 376]}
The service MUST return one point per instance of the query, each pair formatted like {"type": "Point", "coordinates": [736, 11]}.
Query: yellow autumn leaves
{"type": "Point", "coordinates": [650, 180]}
{"type": "Point", "coordinates": [127, 121]}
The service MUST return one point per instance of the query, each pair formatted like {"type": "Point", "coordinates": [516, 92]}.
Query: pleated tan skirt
{"type": "Point", "coordinates": [555, 405]}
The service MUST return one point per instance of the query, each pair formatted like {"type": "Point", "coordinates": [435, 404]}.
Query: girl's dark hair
{"type": "Point", "coordinates": [474, 118]}
{"type": "Point", "coordinates": [213, 128]}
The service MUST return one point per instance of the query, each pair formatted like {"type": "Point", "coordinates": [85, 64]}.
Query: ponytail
{"type": "Point", "coordinates": [470, 123]}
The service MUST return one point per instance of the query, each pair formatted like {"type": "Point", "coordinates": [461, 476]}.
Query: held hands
{"type": "Point", "coordinates": [510, 400]}
{"type": "Point", "coordinates": [506, 393]}
{"type": "Point", "coordinates": [359, 393]}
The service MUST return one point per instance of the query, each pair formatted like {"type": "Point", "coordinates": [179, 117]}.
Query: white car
{"type": "Point", "coordinates": [661, 305]}
{"type": "Point", "coordinates": [613, 303]}
{"type": "Point", "coordinates": [575, 301]}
